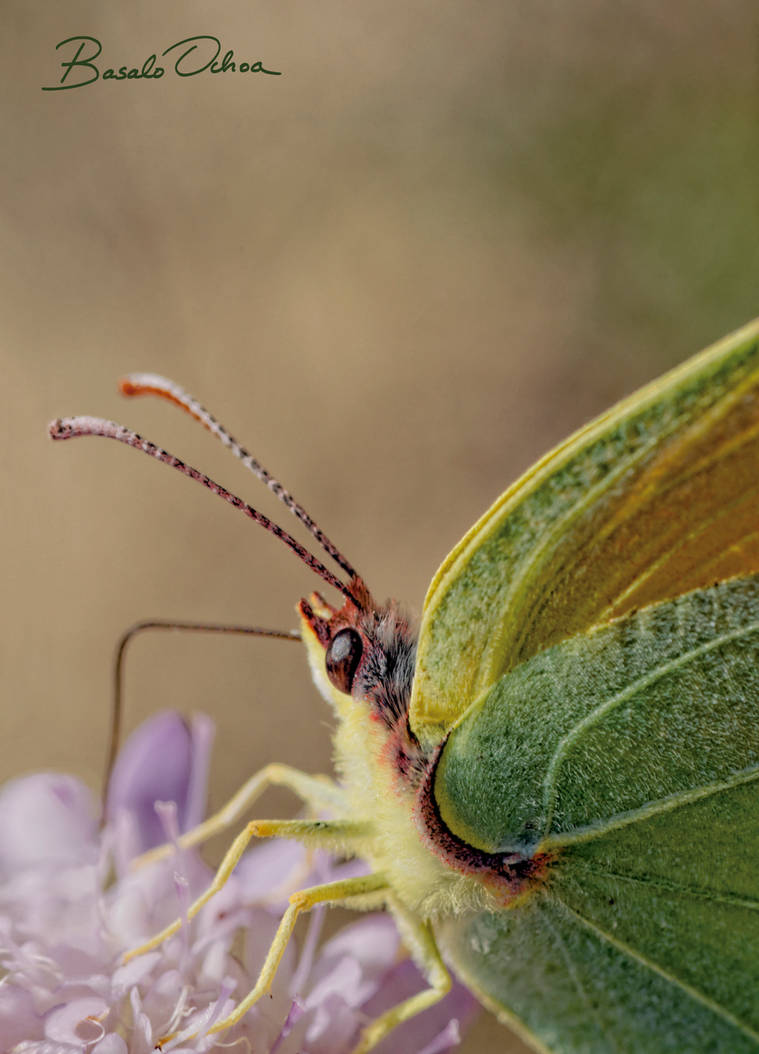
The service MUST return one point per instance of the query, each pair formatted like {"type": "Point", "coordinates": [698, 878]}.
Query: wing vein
{"type": "Point", "coordinates": [673, 887]}
{"type": "Point", "coordinates": [698, 427]}
{"type": "Point", "coordinates": [548, 540]}
{"type": "Point", "coordinates": [572, 971]}
{"type": "Point", "coordinates": [694, 993]}
{"type": "Point", "coordinates": [568, 740]}
{"type": "Point", "coordinates": [703, 525]}
{"type": "Point", "coordinates": [624, 819]}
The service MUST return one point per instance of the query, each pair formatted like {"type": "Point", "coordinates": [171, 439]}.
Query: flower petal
{"type": "Point", "coordinates": [111, 1044]}
{"type": "Point", "coordinates": [163, 760]}
{"type": "Point", "coordinates": [48, 820]}
{"type": "Point", "coordinates": [78, 1021]}
{"type": "Point", "coordinates": [18, 1019]}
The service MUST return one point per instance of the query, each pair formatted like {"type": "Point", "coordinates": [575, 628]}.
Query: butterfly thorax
{"type": "Point", "coordinates": [388, 775]}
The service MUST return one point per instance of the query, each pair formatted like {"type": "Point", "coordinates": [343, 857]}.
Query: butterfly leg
{"type": "Point", "coordinates": [336, 835]}
{"type": "Point", "coordinates": [319, 792]}
{"type": "Point", "coordinates": [327, 833]}
{"type": "Point", "coordinates": [420, 942]}
{"type": "Point", "coordinates": [362, 891]}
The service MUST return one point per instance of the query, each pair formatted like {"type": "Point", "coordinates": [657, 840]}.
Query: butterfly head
{"type": "Point", "coordinates": [361, 652]}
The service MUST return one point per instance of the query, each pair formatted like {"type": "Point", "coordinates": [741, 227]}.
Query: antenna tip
{"type": "Point", "coordinates": [127, 386]}
{"type": "Point", "coordinates": [150, 384]}
{"type": "Point", "coordinates": [59, 429]}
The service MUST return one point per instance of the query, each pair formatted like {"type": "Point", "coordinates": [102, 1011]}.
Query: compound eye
{"type": "Point", "coordinates": [342, 659]}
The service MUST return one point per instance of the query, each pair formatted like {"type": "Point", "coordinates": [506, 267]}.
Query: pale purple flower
{"type": "Point", "coordinates": [70, 906]}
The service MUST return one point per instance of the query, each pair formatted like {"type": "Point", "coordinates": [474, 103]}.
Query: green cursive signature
{"type": "Point", "coordinates": [190, 56]}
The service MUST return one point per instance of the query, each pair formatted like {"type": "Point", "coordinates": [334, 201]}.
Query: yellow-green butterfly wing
{"type": "Point", "coordinates": [631, 755]}
{"type": "Point", "coordinates": [588, 654]}
{"type": "Point", "coordinates": [658, 497]}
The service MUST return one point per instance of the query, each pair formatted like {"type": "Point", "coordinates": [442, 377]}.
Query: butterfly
{"type": "Point", "coordinates": [555, 783]}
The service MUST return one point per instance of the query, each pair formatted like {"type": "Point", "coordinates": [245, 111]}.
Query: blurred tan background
{"type": "Point", "coordinates": [446, 236]}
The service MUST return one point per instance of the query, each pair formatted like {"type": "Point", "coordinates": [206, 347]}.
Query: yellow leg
{"type": "Point", "coordinates": [369, 889]}
{"type": "Point", "coordinates": [420, 941]}
{"type": "Point", "coordinates": [316, 834]}
{"type": "Point", "coordinates": [321, 793]}
{"type": "Point", "coordinates": [328, 833]}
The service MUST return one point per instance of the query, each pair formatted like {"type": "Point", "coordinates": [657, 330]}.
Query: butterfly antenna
{"type": "Point", "coordinates": [71, 427]}
{"type": "Point", "coordinates": [175, 625]}
{"type": "Point", "coordinates": [153, 384]}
